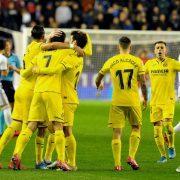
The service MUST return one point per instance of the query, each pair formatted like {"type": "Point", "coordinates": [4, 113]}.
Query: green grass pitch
{"type": "Point", "coordinates": [94, 155]}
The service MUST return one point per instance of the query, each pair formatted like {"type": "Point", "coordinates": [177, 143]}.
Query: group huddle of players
{"type": "Point", "coordinates": [47, 98]}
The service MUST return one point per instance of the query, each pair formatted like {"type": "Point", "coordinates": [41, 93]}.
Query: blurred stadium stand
{"type": "Point", "coordinates": [91, 14]}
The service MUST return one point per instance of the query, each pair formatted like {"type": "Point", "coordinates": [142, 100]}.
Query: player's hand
{"type": "Point", "coordinates": [101, 86]}
{"type": "Point", "coordinates": [144, 104]}
{"type": "Point", "coordinates": [79, 50]}
{"type": "Point", "coordinates": [55, 32]}
{"type": "Point", "coordinates": [11, 67]}
{"type": "Point", "coordinates": [35, 69]}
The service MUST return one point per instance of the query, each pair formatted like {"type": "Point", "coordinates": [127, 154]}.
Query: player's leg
{"type": "Point", "coordinates": [21, 143]}
{"type": "Point", "coordinates": [50, 146]}
{"type": "Point", "coordinates": [168, 114]}
{"type": "Point", "coordinates": [9, 133]}
{"type": "Point", "coordinates": [5, 107]}
{"type": "Point", "coordinates": [71, 146]}
{"type": "Point", "coordinates": [170, 135]}
{"type": "Point", "coordinates": [135, 119]}
{"type": "Point", "coordinates": [56, 116]}
{"type": "Point", "coordinates": [156, 117]}
{"type": "Point", "coordinates": [117, 122]}
{"type": "Point", "coordinates": [39, 147]}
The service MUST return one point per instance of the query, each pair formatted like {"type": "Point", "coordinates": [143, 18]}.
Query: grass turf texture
{"type": "Point", "coordinates": [94, 155]}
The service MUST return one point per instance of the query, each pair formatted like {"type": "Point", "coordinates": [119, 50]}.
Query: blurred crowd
{"type": "Point", "coordinates": [99, 14]}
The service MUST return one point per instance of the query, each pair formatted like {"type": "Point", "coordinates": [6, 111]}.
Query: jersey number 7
{"type": "Point", "coordinates": [48, 57]}
{"type": "Point", "coordinates": [119, 73]}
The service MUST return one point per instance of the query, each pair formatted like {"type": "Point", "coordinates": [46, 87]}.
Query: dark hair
{"type": "Point", "coordinates": [80, 37]}
{"type": "Point", "coordinates": [60, 38]}
{"type": "Point", "coordinates": [160, 42]}
{"type": "Point", "coordinates": [124, 42]}
{"type": "Point", "coordinates": [2, 44]}
{"type": "Point", "coordinates": [37, 32]}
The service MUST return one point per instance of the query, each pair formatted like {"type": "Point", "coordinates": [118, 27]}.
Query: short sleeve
{"type": "Point", "coordinates": [4, 62]}
{"type": "Point", "coordinates": [67, 62]}
{"type": "Point", "coordinates": [88, 47]}
{"type": "Point", "coordinates": [106, 68]}
{"type": "Point", "coordinates": [176, 65]}
{"type": "Point", "coordinates": [146, 67]}
{"type": "Point", "coordinates": [18, 64]}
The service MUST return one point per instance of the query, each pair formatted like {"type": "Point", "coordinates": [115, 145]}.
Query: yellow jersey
{"type": "Point", "coordinates": [49, 59]}
{"type": "Point", "coordinates": [124, 70]}
{"type": "Point", "coordinates": [88, 48]}
{"type": "Point", "coordinates": [70, 78]}
{"type": "Point", "coordinates": [33, 49]}
{"type": "Point", "coordinates": [162, 77]}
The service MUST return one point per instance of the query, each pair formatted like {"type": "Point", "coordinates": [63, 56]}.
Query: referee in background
{"type": "Point", "coordinates": [7, 81]}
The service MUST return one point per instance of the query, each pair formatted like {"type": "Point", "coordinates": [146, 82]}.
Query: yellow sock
{"type": "Point", "coordinates": [39, 147]}
{"type": "Point", "coordinates": [60, 145]}
{"type": "Point", "coordinates": [50, 147]}
{"type": "Point", "coordinates": [134, 143]}
{"type": "Point", "coordinates": [116, 149]}
{"type": "Point", "coordinates": [22, 141]}
{"type": "Point", "coordinates": [170, 133]}
{"type": "Point", "coordinates": [9, 133]}
{"type": "Point", "coordinates": [158, 136]}
{"type": "Point", "coordinates": [71, 150]}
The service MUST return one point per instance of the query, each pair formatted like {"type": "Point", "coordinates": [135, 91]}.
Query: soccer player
{"type": "Point", "coordinates": [162, 71]}
{"type": "Point", "coordinates": [4, 103]}
{"type": "Point", "coordinates": [24, 93]}
{"type": "Point", "coordinates": [70, 78]}
{"type": "Point", "coordinates": [44, 107]}
{"type": "Point", "coordinates": [125, 70]}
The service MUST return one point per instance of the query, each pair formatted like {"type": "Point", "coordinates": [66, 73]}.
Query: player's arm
{"type": "Point", "coordinates": [64, 65]}
{"type": "Point", "coordinates": [27, 72]}
{"type": "Point", "coordinates": [88, 48]}
{"type": "Point", "coordinates": [177, 66]}
{"type": "Point", "coordinates": [49, 70]}
{"type": "Point", "coordinates": [101, 74]}
{"type": "Point", "coordinates": [98, 81]}
{"type": "Point", "coordinates": [142, 81]}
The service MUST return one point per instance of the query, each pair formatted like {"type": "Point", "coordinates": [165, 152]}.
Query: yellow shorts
{"type": "Point", "coordinates": [46, 106]}
{"type": "Point", "coordinates": [118, 115]}
{"type": "Point", "coordinates": [161, 112]}
{"type": "Point", "coordinates": [69, 110]}
{"type": "Point", "coordinates": [23, 98]}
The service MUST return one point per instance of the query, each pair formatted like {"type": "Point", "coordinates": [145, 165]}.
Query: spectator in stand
{"type": "Point", "coordinates": [132, 15]}
{"type": "Point", "coordinates": [63, 15]}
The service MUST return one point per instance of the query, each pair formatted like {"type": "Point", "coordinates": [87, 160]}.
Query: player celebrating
{"type": "Point", "coordinates": [162, 71]}
{"type": "Point", "coordinates": [125, 70]}
{"type": "Point", "coordinates": [70, 78]}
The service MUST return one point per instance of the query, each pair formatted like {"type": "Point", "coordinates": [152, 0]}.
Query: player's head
{"type": "Point", "coordinates": [60, 38]}
{"type": "Point", "coordinates": [2, 45]}
{"type": "Point", "coordinates": [160, 49]}
{"type": "Point", "coordinates": [79, 38]}
{"type": "Point", "coordinates": [38, 32]}
{"type": "Point", "coordinates": [124, 44]}
{"type": "Point", "coordinates": [8, 45]}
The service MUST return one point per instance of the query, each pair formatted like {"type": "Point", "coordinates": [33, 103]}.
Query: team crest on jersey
{"type": "Point", "coordinates": [165, 64]}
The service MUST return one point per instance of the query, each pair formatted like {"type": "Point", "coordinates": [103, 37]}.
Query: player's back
{"type": "Point", "coordinates": [51, 83]}
{"type": "Point", "coordinates": [33, 49]}
{"type": "Point", "coordinates": [124, 70]}
{"type": "Point", "coordinates": [70, 79]}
